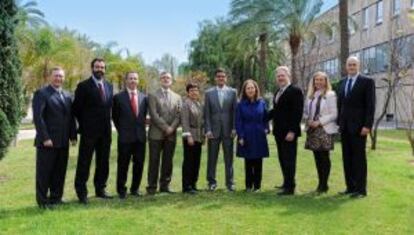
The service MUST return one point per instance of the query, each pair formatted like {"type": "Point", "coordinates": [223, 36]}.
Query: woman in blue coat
{"type": "Point", "coordinates": [252, 128]}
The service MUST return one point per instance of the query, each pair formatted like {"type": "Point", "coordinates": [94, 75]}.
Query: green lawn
{"type": "Point", "coordinates": [389, 208]}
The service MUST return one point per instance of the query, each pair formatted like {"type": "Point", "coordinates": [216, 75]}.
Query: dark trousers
{"type": "Point", "coordinates": [88, 145]}
{"type": "Point", "coordinates": [191, 165]}
{"type": "Point", "coordinates": [126, 151]}
{"type": "Point", "coordinates": [253, 170]}
{"type": "Point", "coordinates": [355, 161]}
{"type": "Point", "coordinates": [160, 151]}
{"type": "Point", "coordinates": [287, 152]}
{"type": "Point", "coordinates": [51, 166]}
{"type": "Point", "coordinates": [323, 166]}
{"type": "Point", "coordinates": [213, 152]}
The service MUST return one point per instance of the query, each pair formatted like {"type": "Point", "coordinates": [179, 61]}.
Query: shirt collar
{"type": "Point", "coordinates": [221, 89]}
{"type": "Point", "coordinates": [353, 77]}
{"type": "Point", "coordinates": [284, 88]}
{"type": "Point", "coordinates": [132, 91]}
{"type": "Point", "coordinates": [165, 90]}
{"type": "Point", "coordinates": [59, 90]}
{"type": "Point", "coordinates": [97, 81]}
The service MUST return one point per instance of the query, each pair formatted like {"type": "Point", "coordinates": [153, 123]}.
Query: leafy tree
{"type": "Point", "coordinates": [10, 71]}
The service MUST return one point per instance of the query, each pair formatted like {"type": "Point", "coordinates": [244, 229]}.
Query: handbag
{"type": "Point", "coordinates": [317, 139]}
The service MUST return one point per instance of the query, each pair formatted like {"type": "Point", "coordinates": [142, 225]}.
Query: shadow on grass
{"type": "Point", "coordinates": [307, 203]}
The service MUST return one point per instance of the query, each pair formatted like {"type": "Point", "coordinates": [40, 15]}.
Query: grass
{"type": "Point", "coordinates": [389, 208]}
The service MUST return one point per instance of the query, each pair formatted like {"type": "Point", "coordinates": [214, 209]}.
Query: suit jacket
{"type": "Point", "coordinates": [220, 120]}
{"type": "Point", "coordinates": [163, 114]}
{"type": "Point", "coordinates": [356, 110]}
{"type": "Point", "coordinates": [287, 113]}
{"type": "Point", "coordinates": [53, 117]}
{"type": "Point", "coordinates": [192, 119]}
{"type": "Point", "coordinates": [93, 114]}
{"type": "Point", "coordinates": [328, 112]}
{"type": "Point", "coordinates": [130, 128]}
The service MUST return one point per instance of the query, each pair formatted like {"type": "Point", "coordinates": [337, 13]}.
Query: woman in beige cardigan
{"type": "Point", "coordinates": [320, 113]}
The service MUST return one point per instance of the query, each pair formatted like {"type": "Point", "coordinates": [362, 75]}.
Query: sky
{"type": "Point", "coordinates": [148, 27]}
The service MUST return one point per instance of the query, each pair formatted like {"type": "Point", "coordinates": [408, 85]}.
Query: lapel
{"type": "Point", "coordinates": [57, 100]}
{"type": "Point", "coordinates": [282, 97]}
{"type": "Point", "coordinates": [95, 90]}
{"type": "Point", "coordinates": [67, 102]}
{"type": "Point", "coordinates": [356, 85]}
{"type": "Point", "coordinates": [107, 90]}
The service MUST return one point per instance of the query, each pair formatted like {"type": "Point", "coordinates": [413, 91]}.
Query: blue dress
{"type": "Point", "coordinates": [251, 125]}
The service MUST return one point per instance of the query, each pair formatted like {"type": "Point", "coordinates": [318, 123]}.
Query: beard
{"type": "Point", "coordinates": [98, 74]}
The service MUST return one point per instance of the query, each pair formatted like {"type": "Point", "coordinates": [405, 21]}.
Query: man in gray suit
{"type": "Point", "coordinates": [220, 111]}
{"type": "Point", "coordinates": [164, 109]}
{"type": "Point", "coordinates": [55, 126]}
{"type": "Point", "coordinates": [129, 113]}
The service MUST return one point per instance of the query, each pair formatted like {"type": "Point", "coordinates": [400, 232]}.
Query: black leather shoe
{"type": "Point", "coordinates": [190, 191]}
{"type": "Point", "coordinates": [167, 190]}
{"type": "Point", "coordinates": [279, 187]}
{"type": "Point", "coordinates": [58, 202]}
{"type": "Point", "coordinates": [231, 188]}
{"type": "Point", "coordinates": [122, 196]}
{"type": "Point", "coordinates": [357, 195]}
{"type": "Point", "coordinates": [136, 194]}
{"type": "Point", "coordinates": [286, 193]}
{"type": "Point", "coordinates": [104, 195]}
{"type": "Point", "coordinates": [346, 192]}
{"type": "Point", "coordinates": [212, 187]}
{"type": "Point", "coordinates": [83, 200]}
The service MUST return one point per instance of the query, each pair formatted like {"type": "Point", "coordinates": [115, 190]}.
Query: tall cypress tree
{"type": "Point", "coordinates": [10, 76]}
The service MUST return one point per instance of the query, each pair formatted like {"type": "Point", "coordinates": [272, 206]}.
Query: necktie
{"type": "Point", "coordinates": [61, 99]}
{"type": "Point", "coordinates": [279, 93]}
{"type": "Point", "coordinates": [166, 97]}
{"type": "Point", "coordinates": [101, 91]}
{"type": "Point", "coordinates": [221, 98]}
{"type": "Point", "coordinates": [134, 104]}
{"type": "Point", "coordinates": [348, 87]}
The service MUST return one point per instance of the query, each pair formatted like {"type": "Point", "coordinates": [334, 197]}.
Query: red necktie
{"type": "Point", "coordinates": [134, 105]}
{"type": "Point", "coordinates": [101, 92]}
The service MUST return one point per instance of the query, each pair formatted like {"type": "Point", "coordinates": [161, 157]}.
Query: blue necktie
{"type": "Point", "coordinates": [348, 87]}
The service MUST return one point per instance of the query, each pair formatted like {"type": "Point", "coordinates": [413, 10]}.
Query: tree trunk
{"type": "Point", "coordinates": [374, 132]}
{"type": "Point", "coordinates": [294, 43]}
{"type": "Point", "coordinates": [344, 34]}
{"type": "Point", "coordinates": [262, 61]}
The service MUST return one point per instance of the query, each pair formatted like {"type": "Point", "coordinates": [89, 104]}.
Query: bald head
{"type": "Point", "coordinates": [352, 65]}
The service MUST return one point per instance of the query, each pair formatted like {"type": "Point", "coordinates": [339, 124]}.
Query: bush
{"type": "Point", "coordinates": [10, 71]}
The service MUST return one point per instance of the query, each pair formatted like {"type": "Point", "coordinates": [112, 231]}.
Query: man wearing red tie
{"type": "Point", "coordinates": [129, 112]}
{"type": "Point", "coordinates": [92, 109]}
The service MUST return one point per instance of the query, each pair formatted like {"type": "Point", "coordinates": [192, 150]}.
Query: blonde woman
{"type": "Point", "coordinates": [320, 113]}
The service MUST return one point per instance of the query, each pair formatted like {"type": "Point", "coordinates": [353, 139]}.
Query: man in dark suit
{"type": "Point", "coordinates": [129, 112]}
{"type": "Point", "coordinates": [92, 109]}
{"type": "Point", "coordinates": [286, 115]}
{"type": "Point", "coordinates": [356, 108]}
{"type": "Point", "coordinates": [219, 118]}
{"type": "Point", "coordinates": [55, 126]}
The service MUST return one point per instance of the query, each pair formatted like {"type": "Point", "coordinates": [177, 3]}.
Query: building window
{"type": "Point", "coordinates": [396, 7]}
{"type": "Point", "coordinates": [382, 58]}
{"type": "Point", "coordinates": [380, 12]}
{"type": "Point", "coordinates": [365, 18]}
{"type": "Point", "coordinates": [351, 25]}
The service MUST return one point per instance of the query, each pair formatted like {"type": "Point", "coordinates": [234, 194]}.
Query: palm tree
{"type": "Point", "coordinates": [252, 28]}
{"type": "Point", "coordinates": [290, 18]}
{"type": "Point", "coordinates": [29, 15]}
